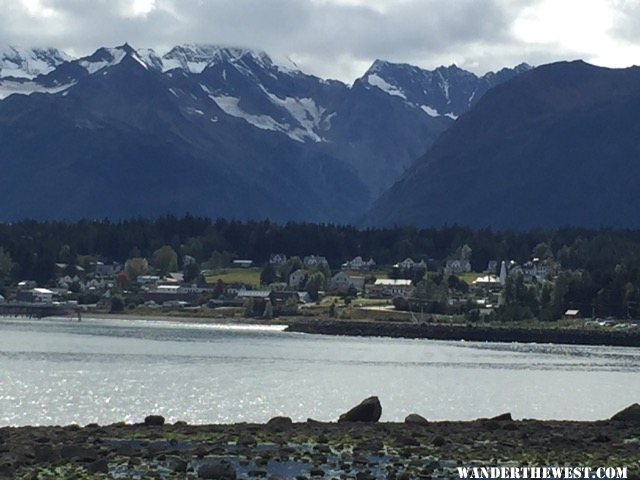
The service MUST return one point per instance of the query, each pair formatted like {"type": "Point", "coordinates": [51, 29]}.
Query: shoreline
{"type": "Point", "coordinates": [185, 319]}
{"type": "Point", "coordinates": [499, 333]}
{"type": "Point", "coordinates": [281, 449]}
{"type": "Point", "coordinates": [452, 332]}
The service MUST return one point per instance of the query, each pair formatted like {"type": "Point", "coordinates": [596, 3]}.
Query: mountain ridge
{"type": "Point", "coordinates": [293, 145]}
{"type": "Point", "coordinates": [554, 147]}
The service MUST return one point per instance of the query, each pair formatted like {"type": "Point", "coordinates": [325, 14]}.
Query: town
{"type": "Point", "coordinates": [358, 288]}
{"type": "Point", "coordinates": [199, 267]}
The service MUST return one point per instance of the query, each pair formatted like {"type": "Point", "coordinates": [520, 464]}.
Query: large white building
{"type": "Point", "coordinates": [390, 288]}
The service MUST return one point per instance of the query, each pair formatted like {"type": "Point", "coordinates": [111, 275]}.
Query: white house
{"type": "Point", "coordinates": [409, 264]}
{"type": "Point", "coordinates": [42, 295]}
{"type": "Point", "coordinates": [536, 269]}
{"type": "Point", "coordinates": [106, 270]}
{"type": "Point", "coordinates": [457, 266]}
{"type": "Point", "coordinates": [297, 278]}
{"type": "Point", "coordinates": [341, 283]}
{"type": "Point", "coordinates": [359, 264]}
{"type": "Point", "coordinates": [278, 259]}
{"type": "Point", "coordinates": [406, 264]}
{"type": "Point", "coordinates": [314, 261]}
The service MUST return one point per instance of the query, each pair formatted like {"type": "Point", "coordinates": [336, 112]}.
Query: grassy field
{"type": "Point", "coordinates": [357, 302]}
{"type": "Point", "coordinates": [469, 277]}
{"type": "Point", "coordinates": [251, 276]}
{"type": "Point", "coordinates": [248, 276]}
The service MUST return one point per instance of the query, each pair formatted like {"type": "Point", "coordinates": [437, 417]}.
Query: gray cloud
{"type": "Point", "coordinates": [331, 38]}
{"type": "Point", "coordinates": [628, 26]}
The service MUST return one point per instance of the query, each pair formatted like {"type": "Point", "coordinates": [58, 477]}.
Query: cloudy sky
{"type": "Point", "coordinates": [340, 38]}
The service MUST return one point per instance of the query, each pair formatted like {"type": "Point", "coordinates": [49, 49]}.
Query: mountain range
{"type": "Point", "coordinates": [213, 131]}
{"type": "Point", "coordinates": [556, 146]}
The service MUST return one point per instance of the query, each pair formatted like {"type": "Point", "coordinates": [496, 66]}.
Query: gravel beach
{"type": "Point", "coordinates": [282, 450]}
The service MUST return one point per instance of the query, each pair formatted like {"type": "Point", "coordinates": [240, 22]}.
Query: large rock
{"type": "Point", "coordinates": [415, 419]}
{"type": "Point", "coordinates": [369, 410]}
{"type": "Point", "coordinates": [279, 423]}
{"type": "Point", "coordinates": [217, 470]}
{"type": "Point", "coordinates": [504, 417]}
{"type": "Point", "coordinates": [629, 414]}
{"type": "Point", "coordinates": [154, 420]}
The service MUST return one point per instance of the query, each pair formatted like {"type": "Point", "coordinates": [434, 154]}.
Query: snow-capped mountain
{"type": "Point", "coordinates": [396, 111]}
{"type": "Point", "coordinates": [445, 91]}
{"type": "Point", "coordinates": [62, 72]}
{"type": "Point", "coordinates": [555, 147]}
{"type": "Point", "coordinates": [18, 62]}
{"type": "Point", "coordinates": [20, 66]}
{"type": "Point", "coordinates": [195, 58]}
{"type": "Point", "coordinates": [216, 131]}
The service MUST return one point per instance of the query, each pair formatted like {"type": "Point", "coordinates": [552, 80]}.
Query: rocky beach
{"type": "Point", "coordinates": [357, 446]}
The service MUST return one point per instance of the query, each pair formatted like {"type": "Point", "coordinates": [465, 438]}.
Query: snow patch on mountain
{"type": "Point", "coordinates": [104, 58]}
{"type": "Point", "coordinates": [306, 112]}
{"type": "Point", "coordinates": [444, 85]}
{"type": "Point", "coordinates": [10, 87]}
{"type": "Point", "coordinates": [150, 58]}
{"type": "Point", "coordinates": [230, 106]}
{"type": "Point", "coordinates": [194, 111]}
{"type": "Point", "coordinates": [376, 80]}
{"type": "Point", "coordinates": [432, 112]}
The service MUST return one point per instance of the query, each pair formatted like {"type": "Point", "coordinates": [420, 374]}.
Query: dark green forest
{"type": "Point", "coordinates": [597, 267]}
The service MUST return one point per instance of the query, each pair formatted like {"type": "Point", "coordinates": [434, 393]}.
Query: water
{"type": "Point", "coordinates": [60, 372]}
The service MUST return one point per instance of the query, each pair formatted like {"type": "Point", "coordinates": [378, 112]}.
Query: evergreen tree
{"type": "Point", "coordinates": [268, 275]}
{"type": "Point", "coordinates": [191, 272]}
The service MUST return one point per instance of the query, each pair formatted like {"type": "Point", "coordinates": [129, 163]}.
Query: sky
{"type": "Point", "coordinates": [341, 38]}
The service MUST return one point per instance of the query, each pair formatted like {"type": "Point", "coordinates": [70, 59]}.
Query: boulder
{"type": "Point", "coordinates": [415, 419]}
{"type": "Point", "coordinates": [369, 410]}
{"type": "Point", "coordinates": [154, 420]}
{"type": "Point", "coordinates": [630, 414]}
{"type": "Point", "coordinates": [313, 421]}
{"type": "Point", "coordinates": [504, 417]}
{"type": "Point", "coordinates": [279, 423]}
{"type": "Point", "coordinates": [217, 470]}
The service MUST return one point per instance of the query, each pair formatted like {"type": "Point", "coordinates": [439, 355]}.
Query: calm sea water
{"type": "Point", "coordinates": [60, 372]}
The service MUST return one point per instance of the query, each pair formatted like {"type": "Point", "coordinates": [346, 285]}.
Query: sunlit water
{"type": "Point", "coordinates": [61, 372]}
